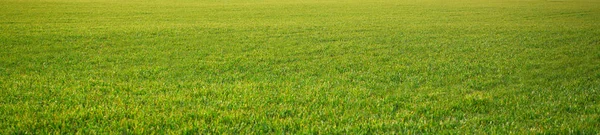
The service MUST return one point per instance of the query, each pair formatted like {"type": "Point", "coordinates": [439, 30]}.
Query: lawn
{"type": "Point", "coordinates": [300, 66]}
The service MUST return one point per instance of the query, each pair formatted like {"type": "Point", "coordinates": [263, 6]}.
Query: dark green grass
{"type": "Point", "coordinates": [358, 66]}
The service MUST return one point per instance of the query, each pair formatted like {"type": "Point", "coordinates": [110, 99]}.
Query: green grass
{"type": "Point", "coordinates": [300, 66]}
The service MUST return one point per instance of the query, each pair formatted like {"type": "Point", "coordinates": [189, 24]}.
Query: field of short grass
{"type": "Point", "coordinates": [300, 66]}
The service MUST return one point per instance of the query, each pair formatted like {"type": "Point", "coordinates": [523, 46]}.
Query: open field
{"type": "Point", "coordinates": [300, 66]}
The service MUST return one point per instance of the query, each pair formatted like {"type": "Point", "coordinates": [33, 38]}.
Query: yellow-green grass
{"type": "Point", "coordinates": [300, 66]}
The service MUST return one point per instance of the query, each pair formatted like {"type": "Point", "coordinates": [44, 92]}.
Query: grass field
{"type": "Point", "coordinates": [300, 66]}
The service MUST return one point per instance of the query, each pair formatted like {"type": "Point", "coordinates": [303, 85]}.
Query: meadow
{"type": "Point", "coordinates": [300, 67]}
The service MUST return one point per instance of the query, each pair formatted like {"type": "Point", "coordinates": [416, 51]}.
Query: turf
{"type": "Point", "coordinates": [300, 66]}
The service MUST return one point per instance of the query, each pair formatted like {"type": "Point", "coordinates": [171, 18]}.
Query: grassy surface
{"type": "Point", "coordinates": [300, 66]}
